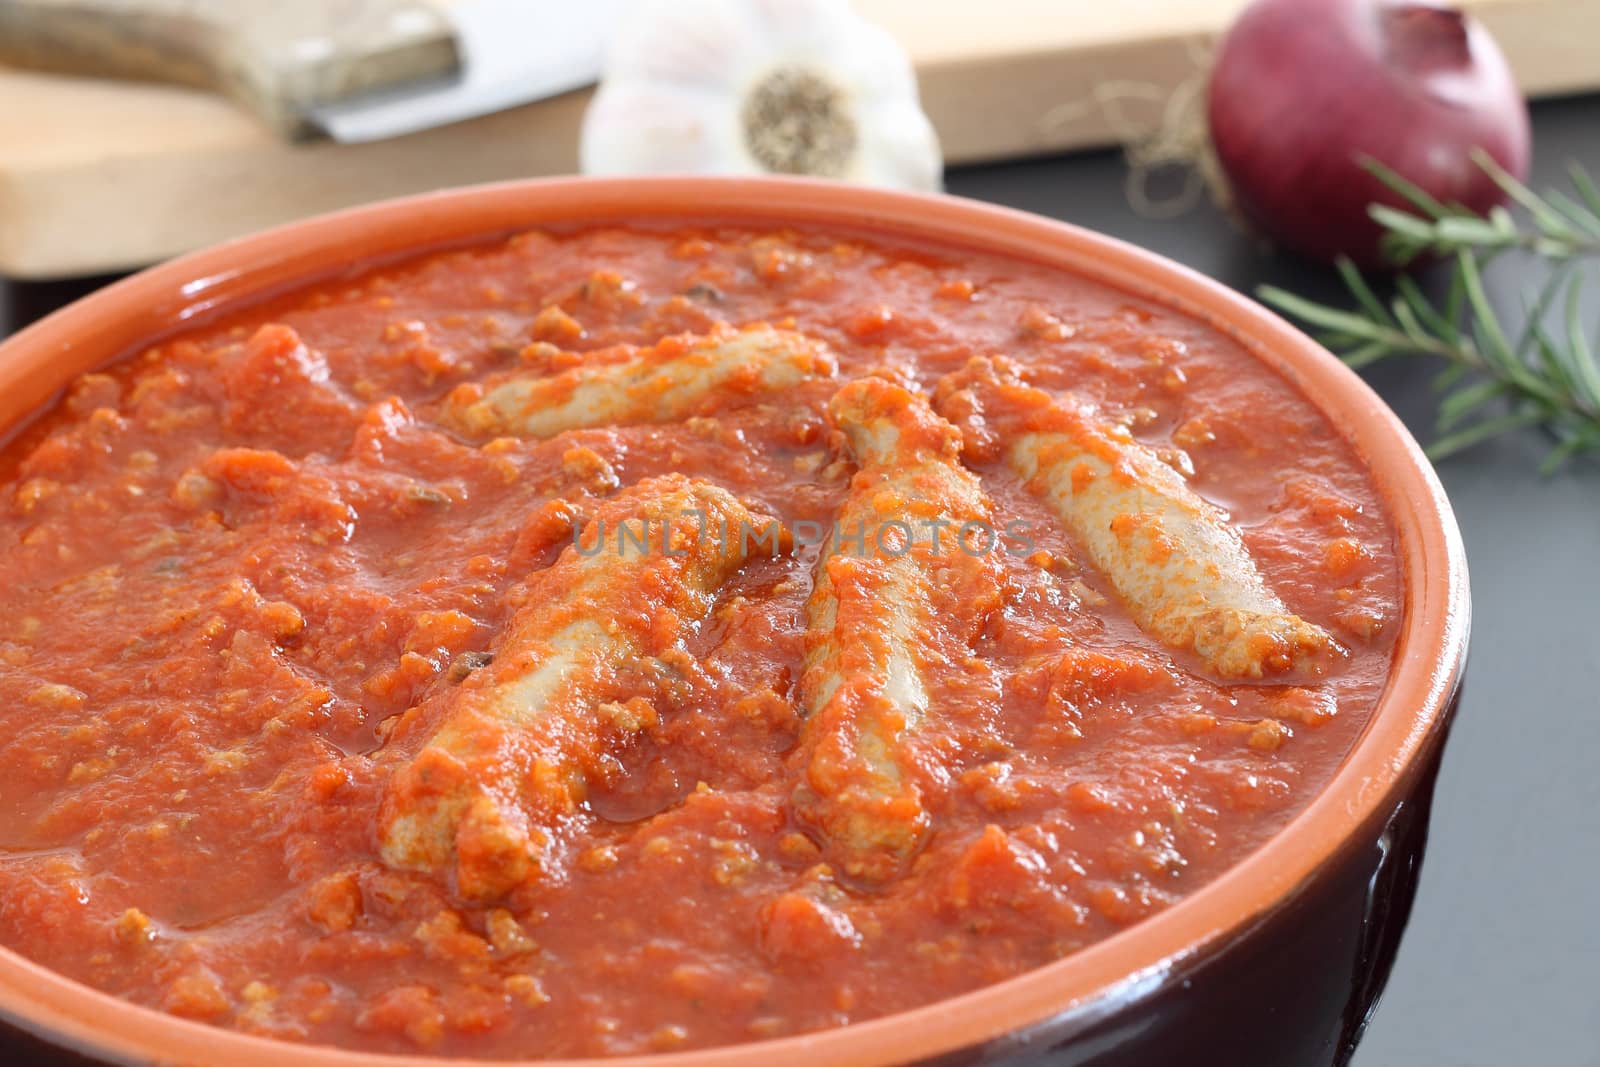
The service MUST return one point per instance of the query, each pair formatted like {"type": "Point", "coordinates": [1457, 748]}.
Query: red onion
{"type": "Point", "coordinates": [1303, 91]}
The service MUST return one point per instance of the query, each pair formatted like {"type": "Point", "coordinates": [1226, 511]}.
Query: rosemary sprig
{"type": "Point", "coordinates": [1493, 382]}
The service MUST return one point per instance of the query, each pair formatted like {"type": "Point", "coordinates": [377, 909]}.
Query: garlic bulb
{"type": "Point", "coordinates": [759, 87]}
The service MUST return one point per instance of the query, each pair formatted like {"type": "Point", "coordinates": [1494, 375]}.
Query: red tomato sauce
{"type": "Point", "coordinates": [228, 562]}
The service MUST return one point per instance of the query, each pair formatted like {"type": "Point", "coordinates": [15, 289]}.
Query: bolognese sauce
{"type": "Point", "coordinates": [329, 711]}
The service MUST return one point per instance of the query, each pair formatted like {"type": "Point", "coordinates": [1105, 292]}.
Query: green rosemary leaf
{"type": "Point", "coordinates": [1467, 400]}
{"type": "Point", "coordinates": [1361, 290]}
{"type": "Point", "coordinates": [1329, 318]}
{"type": "Point", "coordinates": [1398, 249]}
{"type": "Point", "coordinates": [1585, 371]}
{"type": "Point", "coordinates": [1479, 432]}
{"type": "Point", "coordinates": [1585, 187]}
{"type": "Point", "coordinates": [1409, 191]}
{"type": "Point", "coordinates": [1561, 453]}
{"type": "Point", "coordinates": [1539, 304]}
{"type": "Point", "coordinates": [1507, 364]}
{"type": "Point", "coordinates": [1582, 219]}
{"type": "Point", "coordinates": [1503, 221]}
{"type": "Point", "coordinates": [1544, 216]}
{"type": "Point", "coordinates": [1551, 356]}
{"type": "Point", "coordinates": [1456, 299]}
{"type": "Point", "coordinates": [1366, 355]}
{"type": "Point", "coordinates": [1424, 311]}
{"type": "Point", "coordinates": [1449, 377]}
{"type": "Point", "coordinates": [1405, 224]}
{"type": "Point", "coordinates": [1412, 327]}
{"type": "Point", "coordinates": [1495, 345]}
{"type": "Point", "coordinates": [1466, 232]}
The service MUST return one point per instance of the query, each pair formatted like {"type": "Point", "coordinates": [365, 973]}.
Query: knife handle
{"type": "Point", "coordinates": [278, 58]}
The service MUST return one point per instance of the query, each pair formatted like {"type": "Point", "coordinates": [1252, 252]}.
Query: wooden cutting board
{"type": "Point", "coordinates": [100, 175]}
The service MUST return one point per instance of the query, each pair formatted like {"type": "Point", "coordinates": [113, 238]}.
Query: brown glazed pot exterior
{"type": "Point", "coordinates": [1278, 961]}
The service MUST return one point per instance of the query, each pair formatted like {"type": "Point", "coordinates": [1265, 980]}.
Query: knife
{"type": "Point", "coordinates": [355, 70]}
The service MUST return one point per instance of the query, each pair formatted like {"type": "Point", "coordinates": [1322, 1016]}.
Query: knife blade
{"type": "Point", "coordinates": [511, 52]}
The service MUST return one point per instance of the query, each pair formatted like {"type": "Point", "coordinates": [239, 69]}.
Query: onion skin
{"type": "Point", "coordinates": [1303, 91]}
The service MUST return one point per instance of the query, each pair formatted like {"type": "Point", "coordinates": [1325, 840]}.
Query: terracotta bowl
{"type": "Point", "coordinates": [1278, 961]}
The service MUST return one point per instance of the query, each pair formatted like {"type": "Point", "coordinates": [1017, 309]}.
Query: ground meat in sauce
{"type": "Point", "coordinates": [228, 563]}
